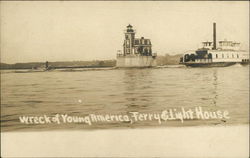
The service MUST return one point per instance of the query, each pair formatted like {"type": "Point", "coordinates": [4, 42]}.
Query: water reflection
{"type": "Point", "coordinates": [215, 82]}
{"type": "Point", "coordinates": [138, 84]}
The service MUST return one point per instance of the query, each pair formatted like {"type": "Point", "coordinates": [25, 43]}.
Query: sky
{"type": "Point", "coordinates": [36, 31]}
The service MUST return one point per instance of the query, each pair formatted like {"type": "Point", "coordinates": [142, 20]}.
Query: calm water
{"type": "Point", "coordinates": [119, 91]}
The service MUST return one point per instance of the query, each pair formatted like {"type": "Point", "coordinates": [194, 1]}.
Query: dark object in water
{"type": "Point", "coordinates": [46, 65]}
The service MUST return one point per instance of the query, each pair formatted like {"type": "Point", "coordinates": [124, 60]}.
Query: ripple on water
{"type": "Point", "coordinates": [120, 91]}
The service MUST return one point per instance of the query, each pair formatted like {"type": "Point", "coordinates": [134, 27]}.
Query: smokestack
{"type": "Point", "coordinates": [214, 36]}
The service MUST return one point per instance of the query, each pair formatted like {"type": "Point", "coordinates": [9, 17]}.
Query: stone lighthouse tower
{"type": "Point", "coordinates": [129, 40]}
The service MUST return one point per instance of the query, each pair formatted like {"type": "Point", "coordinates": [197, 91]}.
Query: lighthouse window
{"type": "Point", "coordinates": [237, 55]}
{"type": "Point", "coordinates": [127, 42]}
{"type": "Point", "coordinates": [216, 55]}
{"type": "Point", "coordinates": [222, 55]}
{"type": "Point", "coordinates": [232, 56]}
{"type": "Point", "coordinates": [136, 42]}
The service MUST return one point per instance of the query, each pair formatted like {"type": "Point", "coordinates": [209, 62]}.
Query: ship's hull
{"type": "Point", "coordinates": [215, 64]}
{"type": "Point", "coordinates": [135, 61]}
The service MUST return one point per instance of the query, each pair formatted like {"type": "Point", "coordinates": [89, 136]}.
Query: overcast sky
{"type": "Point", "coordinates": [78, 30]}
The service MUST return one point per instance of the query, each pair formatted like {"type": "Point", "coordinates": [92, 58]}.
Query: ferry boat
{"type": "Point", "coordinates": [226, 54]}
{"type": "Point", "coordinates": [137, 52]}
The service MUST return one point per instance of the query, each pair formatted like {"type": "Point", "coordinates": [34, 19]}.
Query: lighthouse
{"type": "Point", "coordinates": [137, 52]}
{"type": "Point", "coordinates": [129, 40]}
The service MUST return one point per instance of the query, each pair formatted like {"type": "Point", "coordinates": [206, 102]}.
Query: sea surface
{"type": "Point", "coordinates": [109, 91]}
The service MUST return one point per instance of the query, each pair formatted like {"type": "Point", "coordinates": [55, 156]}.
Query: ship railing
{"type": "Point", "coordinates": [203, 60]}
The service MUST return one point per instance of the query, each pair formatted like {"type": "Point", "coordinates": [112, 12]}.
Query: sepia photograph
{"type": "Point", "coordinates": [124, 78]}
